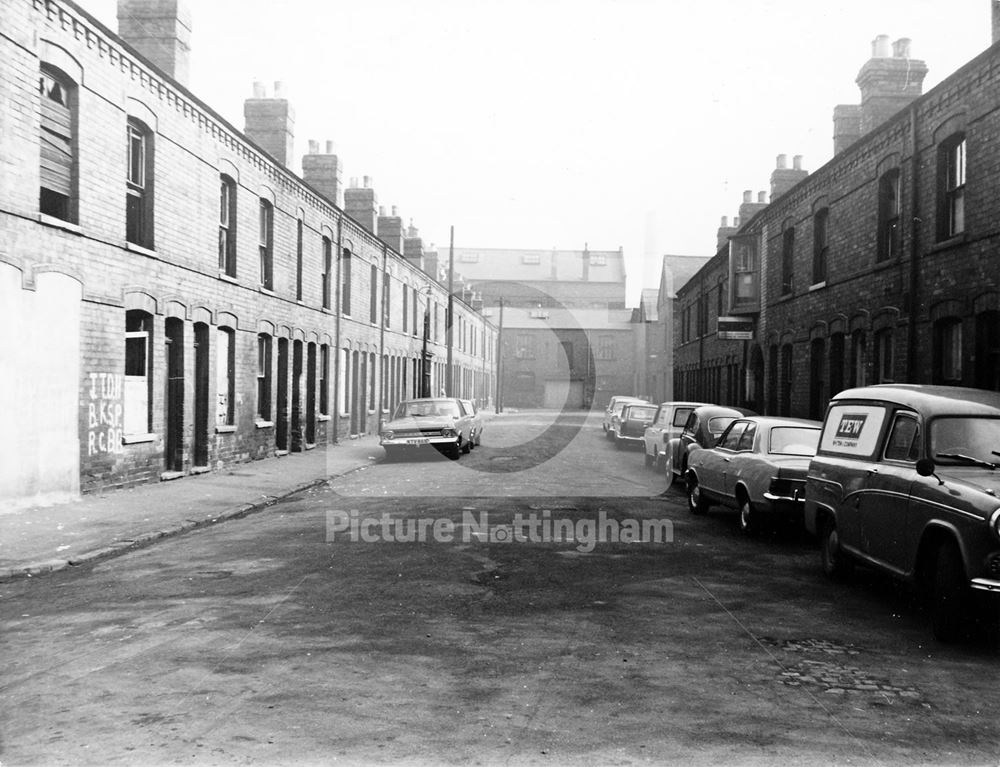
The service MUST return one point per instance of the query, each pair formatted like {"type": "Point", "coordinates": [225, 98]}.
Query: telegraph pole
{"type": "Point", "coordinates": [499, 396]}
{"type": "Point", "coordinates": [451, 313]}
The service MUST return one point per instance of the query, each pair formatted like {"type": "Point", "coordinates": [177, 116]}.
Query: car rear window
{"type": "Point", "coordinates": [852, 430]}
{"type": "Point", "coordinates": [720, 423]}
{"type": "Point", "coordinates": [681, 415]}
{"type": "Point", "coordinates": [794, 440]}
{"type": "Point", "coordinates": [641, 413]}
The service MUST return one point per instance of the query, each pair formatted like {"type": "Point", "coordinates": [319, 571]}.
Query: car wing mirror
{"type": "Point", "coordinates": [925, 468]}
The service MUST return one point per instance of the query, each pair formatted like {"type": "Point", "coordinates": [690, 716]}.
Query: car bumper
{"type": "Point", "coordinates": [985, 584]}
{"type": "Point", "coordinates": [785, 504]}
{"type": "Point", "coordinates": [418, 442]}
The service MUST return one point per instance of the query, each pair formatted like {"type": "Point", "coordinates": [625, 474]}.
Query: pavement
{"type": "Point", "coordinates": [44, 539]}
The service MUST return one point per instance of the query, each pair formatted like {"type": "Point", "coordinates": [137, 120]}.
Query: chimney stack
{"type": "Point", "coordinates": [749, 208]}
{"type": "Point", "coordinates": [725, 231]}
{"type": "Point", "coordinates": [359, 204]}
{"type": "Point", "coordinates": [160, 30]}
{"type": "Point", "coordinates": [784, 178]}
{"type": "Point", "coordinates": [321, 170]}
{"type": "Point", "coordinates": [889, 81]}
{"type": "Point", "coordinates": [390, 229]}
{"type": "Point", "coordinates": [846, 126]}
{"type": "Point", "coordinates": [413, 246]}
{"type": "Point", "coordinates": [270, 122]}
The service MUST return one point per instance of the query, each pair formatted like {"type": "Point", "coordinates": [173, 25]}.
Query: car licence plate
{"type": "Point", "coordinates": [417, 441]}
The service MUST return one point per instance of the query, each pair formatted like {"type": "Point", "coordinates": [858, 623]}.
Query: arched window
{"type": "Point", "coordinates": [787, 259]}
{"type": "Point", "coordinates": [265, 243]}
{"type": "Point", "coordinates": [820, 245]}
{"type": "Point", "coordinates": [227, 225]}
{"type": "Point", "coordinates": [889, 236]}
{"type": "Point", "coordinates": [225, 373]}
{"type": "Point", "coordinates": [139, 184]}
{"type": "Point", "coordinates": [138, 372]}
{"type": "Point", "coordinates": [948, 351]}
{"type": "Point", "coordinates": [951, 186]}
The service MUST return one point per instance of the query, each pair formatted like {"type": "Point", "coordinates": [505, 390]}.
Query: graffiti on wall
{"type": "Point", "coordinates": [105, 414]}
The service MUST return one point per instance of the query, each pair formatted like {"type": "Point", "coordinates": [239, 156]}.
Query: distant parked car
{"type": "Point", "coordinates": [667, 423]}
{"type": "Point", "coordinates": [758, 466]}
{"type": "Point", "coordinates": [703, 428]}
{"type": "Point", "coordinates": [614, 406]}
{"type": "Point", "coordinates": [439, 423]}
{"type": "Point", "coordinates": [476, 430]}
{"type": "Point", "coordinates": [906, 480]}
{"type": "Point", "coordinates": [630, 426]}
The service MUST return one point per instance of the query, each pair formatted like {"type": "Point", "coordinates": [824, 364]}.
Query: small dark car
{"type": "Point", "coordinates": [630, 426]}
{"type": "Point", "coordinates": [703, 428]}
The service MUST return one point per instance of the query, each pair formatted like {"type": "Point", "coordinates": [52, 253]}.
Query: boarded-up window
{"type": "Point", "coordinates": [225, 377]}
{"type": "Point", "coordinates": [57, 154]}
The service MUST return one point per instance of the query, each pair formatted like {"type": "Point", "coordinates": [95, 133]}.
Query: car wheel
{"type": "Point", "coordinates": [668, 466]}
{"type": "Point", "coordinates": [391, 454]}
{"type": "Point", "coordinates": [660, 463]}
{"type": "Point", "coordinates": [696, 501]}
{"type": "Point", "coordinates": [465, 445]}
{"type": "Point", "coordinates": [836, 564]}
{"type": "Point", "coordinates": [647, 458]}
{"type": "Point", "coordinates": [949, 598]}
{"type": "Point", "coordinates": [619, 443]}
{"type": "Point", "coordinates": [748, 520]}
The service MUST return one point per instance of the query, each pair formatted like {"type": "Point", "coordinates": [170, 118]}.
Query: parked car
{"type": "Point", "coordinates": [758, 466]}
{"type": "Point", "coordinates": [476, 429]}
{"type": "Point", "coordinates": [703, 428]}
{"type": "Point", "coordinates": [630, 425]}
{"type": "Point", "coordinates": [905, 480]}
{"type": "Point", "coordinates": [439, 423]}
{"type": "Point", "coordinates": [667, 423]}
{"type": "Point", "coordinates": [614, 406]}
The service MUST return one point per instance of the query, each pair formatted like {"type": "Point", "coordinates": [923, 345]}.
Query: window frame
{"type": "Point", "coordinates": [263, 395]}
{"type": "Point", "coordinates": [139, 184]}
{"type": "Point", "coordinates": [889, 245]}
{"type": "Point", "coordinates": [58, 146]}
{"type": "Point", "coordinates": [227, 225]}
{"type": "Point", "coordinates": [787, 260]}
{"type": "Point", "coordinates": [821, 245]}
{"type": "Point", "coordinates": [952, 168]}
{"type": "Point", "coordinates": [265, 242]}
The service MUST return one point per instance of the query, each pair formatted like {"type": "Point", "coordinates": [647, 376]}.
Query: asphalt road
{"type": "Point", "coordinates": [393, 616]}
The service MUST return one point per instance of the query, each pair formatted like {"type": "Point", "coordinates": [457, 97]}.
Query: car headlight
{"type": "Point", "coordinates": [995, 523]}
{"type": "Point", "coordinates": [447, 432]}
{"type": "Point", "coordinates": [387, 435]}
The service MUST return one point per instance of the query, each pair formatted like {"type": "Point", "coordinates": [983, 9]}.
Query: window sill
{"type": "Point", "coordinates": [201, 469]}
{"type": "Point", "coordinates": [228, 278]}
{"type": "Point", "coordinates": [310, 446]}
{"type": "Point", "coordinates": [280, 453]}
{"type": "Point", "coordinates": [322, 417]}
{"type": "Point", "coordinates": [951, 242]}
{"type": "Point", "coordinates": [817, 286]}
{"type": "Point", "coordinates": [264, 424]}
{"type": "Point", "coordinates": [59, 223]}
{"type": "Point", "coordinates": [140, 249]}
{"type": "Point", "coordinates": [266, 291]}
{"type": "Point", "coordinates": [225, 428]}
{"type": "Point", "coordinates": [345, 415]}
{"type": "Point", "coordinates": [134, 439]}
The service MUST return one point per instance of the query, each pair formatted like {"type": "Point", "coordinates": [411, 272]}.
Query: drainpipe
{"type": "Point", "coordinates": [911, 348]}
{"type": "Point", "coordinates": [337, 372]}
{"type": "Point", "coordinates": [381, 337]}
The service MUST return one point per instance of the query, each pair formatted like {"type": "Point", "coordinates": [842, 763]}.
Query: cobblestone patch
{"type": "Point", "coordinates": [811, 645]}
{"type": "Point", "coordinates": [832, 676]}
{"type": "Point", "coordinates": [837, 679]}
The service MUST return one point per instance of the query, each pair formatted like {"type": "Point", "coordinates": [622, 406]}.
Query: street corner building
{"type": "Point", "coordinates": [880, 267]}
{"type": "Point", "coordinates": [173, 297]}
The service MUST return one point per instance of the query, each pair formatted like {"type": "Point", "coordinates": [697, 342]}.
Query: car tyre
{"type": "Point", "coordinates": [836, 564]}
{"type": "Point", "coordinates": [749, 522]}
{"type": "Point", "coordinates": [465, 446]}
{"type": "Point", "coordinates": [696, 501]}
{"type": "Point", "coordinates": [647, 458]}
{"type": "Point", "coordinates": [619, 443]}
{"type": "Point", "coordinates": [668, 466]}
{"type": "Point", "coordinates": [949, 597]}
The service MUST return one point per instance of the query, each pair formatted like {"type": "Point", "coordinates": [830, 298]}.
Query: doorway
{"type": "Point", "coordinates": [281, 427]}
{"type": "Point", "coordinates": [201, 405]}
{"type": "Point", "coordinates": [174, 396]}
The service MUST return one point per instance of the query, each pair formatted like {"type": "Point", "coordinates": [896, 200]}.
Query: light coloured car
{"type": "Point", "coordinates": [667, 423]}
{"type": "Point", "coordinates": [438, 423]}
{"type": "Point", "coordinates": [703, 428]}
{"type": "Point", "coordinates": [758, 466]}
{"type": "Point", "coordinates": [476, 429]}
{"type": "Point", "coordinates": [615, 406]}
{"type": "Point", "coordinates": [906, 481]}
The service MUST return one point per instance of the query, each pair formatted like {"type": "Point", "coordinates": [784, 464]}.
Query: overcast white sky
{"type": "Point", "coordinates": [551, 123]}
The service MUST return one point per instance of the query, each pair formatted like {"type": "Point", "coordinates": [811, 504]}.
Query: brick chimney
{"type": "Point", "coordinates": [725, 231]}
{"type": "Point", "coordinates": [390, 229]}
{"type": "Point", "coordinates": [431, 262]}
{"type": "Point", "coordinates": [784, 178]}
{"type": "Point", "coordinates": [413, 246]}
{"type": "Point", "coordinates": [321, 170]}
{"type": "Point", "coordinates": [160, 30]}
{"type": "Point", "coordinates": [846, 126]}
{"type": "Point", "coordinates": [270, 122]}
{"type": "Point", "coordinates": [888, 81]}
{"type": "Point", "coordinates": [359, 203]}
{"type": "Point", "coordinates": [749, 208]}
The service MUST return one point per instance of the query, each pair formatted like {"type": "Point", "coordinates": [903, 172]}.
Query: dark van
{"type": "Point", "coordinates": [905, 480]}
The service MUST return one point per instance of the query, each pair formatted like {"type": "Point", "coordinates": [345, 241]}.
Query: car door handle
{"type": "Point", "coordinates": [727, 460]}
{"type": "Point", "coordinates": [873, 470]}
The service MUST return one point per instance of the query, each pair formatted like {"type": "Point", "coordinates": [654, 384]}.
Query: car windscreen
{"type": "Point", "coordinates": [794, 440]}
{"type": "Point", "coordinates": [965, 440]}
{"type": "Point", "coordinates": [681, 416]}
{"type": "Point", "coordinates": [426, 408]}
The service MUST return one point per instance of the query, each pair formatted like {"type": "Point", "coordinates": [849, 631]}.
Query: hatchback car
{"type": "Point", "coordinates": [428, 423]}
{"type": "Point", "coordinates": [703, 428]}
{"type": "Point", "coordinates": [667, 423]}
{"type": "Point", "coordinates": [758, 466]}
{"type": "Point", "coordinates": [905, 480]}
